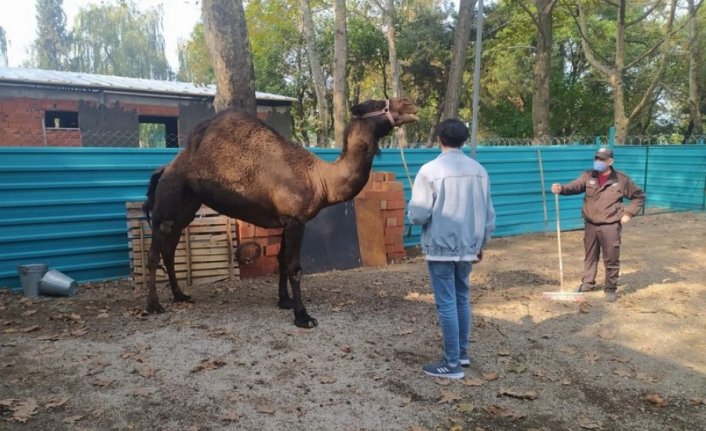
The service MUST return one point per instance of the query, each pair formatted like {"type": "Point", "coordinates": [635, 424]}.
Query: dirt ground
{"type": "Point", "coordinates": [232, 360]}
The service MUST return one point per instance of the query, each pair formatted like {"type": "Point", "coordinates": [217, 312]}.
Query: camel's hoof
{"type": "Point", "coordinates": [182, 298]}
{"type": "Point", "coordinates": [286, 304]}
{"type": "Point", "coordinates": [307, 322]}
{"type": "Point", "coordinates": [155, 308]}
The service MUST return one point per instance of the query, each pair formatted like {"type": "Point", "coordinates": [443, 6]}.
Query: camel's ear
{"type": "Point", "coordinates": [366, 107]}
{"type": "Point", "coordinates": [358, 110]}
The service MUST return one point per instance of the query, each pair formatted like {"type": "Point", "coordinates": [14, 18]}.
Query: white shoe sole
{"type": "Point", "coordinates": [448, 376]}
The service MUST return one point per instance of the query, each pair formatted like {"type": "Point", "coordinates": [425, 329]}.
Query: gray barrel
{"type": "Point", "coordinates": [30, 275]}
{"type": "Point", "coordinates": [57, 283]}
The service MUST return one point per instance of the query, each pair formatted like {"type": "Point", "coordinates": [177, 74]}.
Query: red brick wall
{"type": "Point", "coordinates": [382, 186]}
{"type": "Point", "coordinates": [22, 119]}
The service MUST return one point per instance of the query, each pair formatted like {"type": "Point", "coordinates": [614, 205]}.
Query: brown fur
{"type": "Point", "coordinates": [242, 168]}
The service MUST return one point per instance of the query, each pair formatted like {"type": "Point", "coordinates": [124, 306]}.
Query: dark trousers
{"type": "Point", "coordinates": [602, 238]}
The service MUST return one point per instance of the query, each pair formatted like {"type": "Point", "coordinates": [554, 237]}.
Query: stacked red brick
{"type": "Point", "coordinates": [383, 187]}
{"type": "Point", "coordinates": [268, 241]}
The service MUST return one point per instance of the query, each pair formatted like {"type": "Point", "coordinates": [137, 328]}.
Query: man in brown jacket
{"type": "Point", "coordinates": [604, 216]}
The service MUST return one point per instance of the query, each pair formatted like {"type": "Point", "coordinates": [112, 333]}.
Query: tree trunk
{"type": "Point", "coordinates": [400, 132]}
{"type": "Point", "coordinates": [340, 54]}
{"type": "Point", "coordinates": [542, 71]}
{"type": "Point", "coordinates": [614, 73]}
{"type": "Point", "coordinates": [228, 44]}
{"type": "Point", "coordinates": [695, 70]}
{"type": "Point", "coordinates": [317, 75]}
{"type": "Point", "coordinates": [452, 97]}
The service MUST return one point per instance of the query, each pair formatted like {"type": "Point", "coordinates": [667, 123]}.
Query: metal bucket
{"type": "Point", "coordinates": [30, 275]}
{"type": "Point", "coordinates": [57, 283]}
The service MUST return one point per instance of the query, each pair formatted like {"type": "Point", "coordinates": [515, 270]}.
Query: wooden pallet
{"type": "Point", "coordinates": [205, 253]}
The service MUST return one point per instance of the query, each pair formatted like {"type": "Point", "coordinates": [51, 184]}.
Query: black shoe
{"type": "Point", "coordinates": [610, 295]}
{"type": "Point", "coordinates": [585, 287]}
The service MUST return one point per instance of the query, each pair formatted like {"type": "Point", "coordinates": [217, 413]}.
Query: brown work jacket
{"type": "Point", "coordinates": [602, 205]}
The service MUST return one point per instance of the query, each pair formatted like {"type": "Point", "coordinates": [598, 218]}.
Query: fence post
{"type": "Point", "coordinates": [644, 182]}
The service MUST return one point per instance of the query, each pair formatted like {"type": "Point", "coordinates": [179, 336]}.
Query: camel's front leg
{"type": "Point", "coordinates": [285, 301]}
{"type": "Point", "coordinates": [293, 236]}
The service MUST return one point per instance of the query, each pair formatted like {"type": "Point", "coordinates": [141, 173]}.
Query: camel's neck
{"type": "Point", "coordinates": [343, 179]}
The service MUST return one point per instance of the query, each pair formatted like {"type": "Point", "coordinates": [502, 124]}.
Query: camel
{"type": "Point", "coordinates": [242, 168]}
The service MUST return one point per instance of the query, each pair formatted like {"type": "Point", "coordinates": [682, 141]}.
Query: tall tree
{"type": "Point", "coordinates": [227, 39]}
{"type": "Point", "coordinates": [542, 19]}
{"type": "Point", "coordinates": [50, 48]}
{"type": "Point", "coordinates": [695, 60]}
{"type": "Point", "coordinates": [340, 55]}
{"type": "Point", "coordinates": [452, 96]}
{"type": "Point", "coordinates": [3, 47]}
{"type": "Point", "coordinates": [317, 74]}
{"type": "Point", "coordinates": [614, 70]}
{"type": "Point", "coordinates": [119, 40]}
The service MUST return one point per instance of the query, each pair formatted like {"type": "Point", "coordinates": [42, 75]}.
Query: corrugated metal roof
{"type": "Point", "coordinates": [54, 77]}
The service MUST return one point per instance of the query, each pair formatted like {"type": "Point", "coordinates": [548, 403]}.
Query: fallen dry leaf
{"type": "Point", "coordinates": [30, 329]}
{"type": "Point", "coordinates": [471, 382]}
{"type": "Point", "coordinates": [104, 383]}
{"type": "Point", "coordinates": [623, 372]}
{"type": "Point", "coordinates": [405, 400]}
{"type": "Point", "coordinates": [28, 313]}
{"type": "Point", "coordinates": [146, 371]}
{"type": "Point", "coordinates": [326, 379]}
{"type": "Point", "coordinates": [265, 408]}
{"type": "Point", "coordinates": [523, 395]}
{"type": "Point", "coordinates": [656, 399]}
{"type": "Point", "coordinates": [592, 357]}
{"type": "Point", "coordinates": [448, 396]}
{"type": "Point", "coordinates": [497, 410]}
{"type": "Point", "coordinates": [230, 416]}
{"type": "Point", "coordinates": [56, 402]}
{"type": "Point", "coordinates": [606, 334]}
{"type": "Point", "coordinates": [589, 424]}
{"type": "Point", "coordinates": [697, 401]}
{"type": "Point", "coordinates": [568, 350]}
{"type": "Point", "coordinates": [143, 392]}
{"type": "Point", "coordinates": [209, 364]}
{"type": "Point", "coordinates": [21, 410]}
{"type": "Point", "coordinates": [491, 376]}
{"type": "Point", "coordinates": [72, 419]}
{"type": "Point", "coordinates": [442, 382]}
{"type": "Point", "coordinates": [405, 332]}
{"type": "Point", "coordinates": [346, 349]}
{"type": "Point", "coordinates": [465, 408]}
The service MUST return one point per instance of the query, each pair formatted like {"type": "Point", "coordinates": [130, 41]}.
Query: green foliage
{"type": "Point", "coordinates": [3, 47]}
{"type": "Point", "coordinates": [119, 40]}
{"type": "Point", "coordinates": [194, 60]}
{"type": "Point", "coordinates": [50, 48]}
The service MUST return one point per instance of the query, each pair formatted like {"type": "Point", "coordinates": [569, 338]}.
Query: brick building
{"type": "Point", "coordinates": [52, 108]}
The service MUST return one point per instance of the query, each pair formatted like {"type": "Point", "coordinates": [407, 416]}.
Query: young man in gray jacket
{"type": "Point", "coordinates": [451, 200]}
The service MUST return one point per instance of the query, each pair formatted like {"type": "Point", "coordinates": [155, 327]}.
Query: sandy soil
{"type": "Point", "coordinates": [232, 360]}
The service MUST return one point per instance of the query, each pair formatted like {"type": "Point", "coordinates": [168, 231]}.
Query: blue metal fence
{"type": "Point", "coordinates": [66, 206]}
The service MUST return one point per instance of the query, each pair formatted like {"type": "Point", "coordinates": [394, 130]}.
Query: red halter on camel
{"type": "Point", "coordinates": [384, 111]}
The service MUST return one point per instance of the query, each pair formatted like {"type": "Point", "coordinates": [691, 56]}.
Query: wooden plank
{"type": "Point", "coordinates": [371, 232]}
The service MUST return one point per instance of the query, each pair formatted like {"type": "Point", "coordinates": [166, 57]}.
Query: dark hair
{"type": "Point", "coordinates": [452, 133]}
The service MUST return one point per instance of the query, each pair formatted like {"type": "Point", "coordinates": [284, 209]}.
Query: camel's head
{"type": "Point", "coordinates": [396, 111]}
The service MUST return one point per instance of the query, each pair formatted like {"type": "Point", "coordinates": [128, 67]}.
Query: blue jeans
{"type": "Point", "coordinates": [449, 281]}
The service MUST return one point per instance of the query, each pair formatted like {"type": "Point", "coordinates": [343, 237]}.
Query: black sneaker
{"type": "Point", "coordinates": [585, 287]}
{"type": "Point", "coordinates": [611, 295]}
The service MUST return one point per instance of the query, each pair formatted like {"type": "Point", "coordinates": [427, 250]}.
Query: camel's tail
{"type": "Point", "coordinates": [151, 189]}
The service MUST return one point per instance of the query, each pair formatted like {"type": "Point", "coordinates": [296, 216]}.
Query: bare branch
{"type": "Point", "coordinates": [599, 63]}
{"type": "Point", "coordinates": [658, 75]}
{"type": "Point", "coordinates": [644, 15]}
